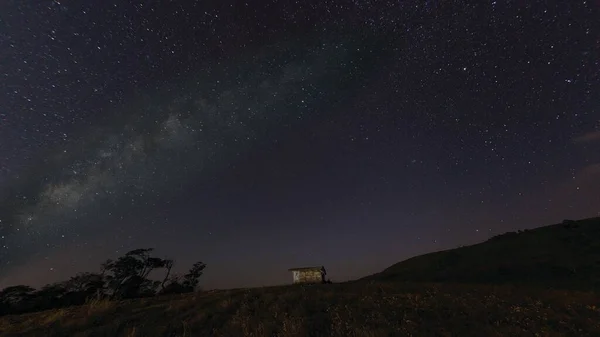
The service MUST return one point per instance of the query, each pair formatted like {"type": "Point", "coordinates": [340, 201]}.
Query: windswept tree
{"type": "Point", "coordinates": [191, 279]}
{"type": "Point", "coordinates": [168, 265]}
{"type": "Point", "coordinates": [186, 283]}
{"type": "Point", "coordinates": [128, 276]}
{"type": "Point", "coordinates": [49, 296]}
{"type": "Point", "coordinates": [82, 287]}
{"type": "Point", "coordinates": [16, 298]}
{"type": "Point", "coordinates": [15, 294]}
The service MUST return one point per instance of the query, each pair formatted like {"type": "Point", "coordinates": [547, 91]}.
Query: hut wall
{"type": "Point", "coordinates": [309, 276]}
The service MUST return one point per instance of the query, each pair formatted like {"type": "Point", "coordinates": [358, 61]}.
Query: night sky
{"type": "Point", "coordinates": [261, 136]}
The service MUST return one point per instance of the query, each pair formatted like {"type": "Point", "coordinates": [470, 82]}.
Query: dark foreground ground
{"type": "Point", "coordinates": [350, 309]}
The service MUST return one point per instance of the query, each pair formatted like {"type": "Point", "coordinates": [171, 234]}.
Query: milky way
{"type": "Point", "coordinates": [170, 140]}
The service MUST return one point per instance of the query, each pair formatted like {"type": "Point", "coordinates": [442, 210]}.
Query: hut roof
{"type": "Point", "coordinates": [306, 269]}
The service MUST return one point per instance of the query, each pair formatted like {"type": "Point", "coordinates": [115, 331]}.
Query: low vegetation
{"type": "Point", "coordinates": [348, 309]}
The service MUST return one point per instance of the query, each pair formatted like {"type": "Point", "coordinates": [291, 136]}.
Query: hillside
{"type": "Point", "coordinates": [565, 255]}
{"type": "Point", "coordinates": [497, 288]}
{"type": "Point", "coordinates": [350, 309]}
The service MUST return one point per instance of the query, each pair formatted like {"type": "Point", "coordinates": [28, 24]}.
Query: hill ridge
{"type": "Point", "coordinates": [563, 255]}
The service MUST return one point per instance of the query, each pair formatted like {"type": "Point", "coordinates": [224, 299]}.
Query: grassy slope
{"type": "Point", "coordinates": [557, 256]}
{"type": "Point", "coordinates": [380, 305]}
{"type": "Point", "coordinates": [350, 309]}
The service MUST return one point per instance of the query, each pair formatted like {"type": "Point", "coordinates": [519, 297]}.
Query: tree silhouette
{"type": "Point", "coordinates": [15, 293]}
{"type": "Point", "coordinates": [125, 277]}
{"type": "Point", "coordinates": [82, 287]}
{"type": "Point", "coordinates": [127, 274]}
{"type": "Point", "coordinates": [16, 298]}
{"type": "Point", "coordinates": [185, 283]}
{"type": "Point", "coordinates": [168, 265]}
{"type": "Point", "coordinates": [191, 279]}
{"type": "Point", "coordinates": [48, 297]}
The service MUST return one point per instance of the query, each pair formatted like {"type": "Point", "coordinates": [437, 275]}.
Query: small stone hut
{"type": "Point", "coordinates": [309, 274]}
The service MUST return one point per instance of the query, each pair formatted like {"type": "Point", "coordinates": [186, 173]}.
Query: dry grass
{"type": "Point", "coordinates": [369, 309]}
{"type": "Point", "coordinates": [53, 316]}
{"type": "Point", "coordinates": [99, 306]}
{"type": "Point", "coordinates": [132, 332]}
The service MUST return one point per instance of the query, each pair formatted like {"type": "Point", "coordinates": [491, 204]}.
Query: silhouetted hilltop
{"type": "Point", "coordinates": [565, 255]}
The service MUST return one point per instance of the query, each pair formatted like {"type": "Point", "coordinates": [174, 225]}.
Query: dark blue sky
{"type": "Point", "coordinates": [258, 137]}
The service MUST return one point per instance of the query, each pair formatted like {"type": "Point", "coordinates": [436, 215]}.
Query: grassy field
{"type": "Point", "coordinates": [348, 309]}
